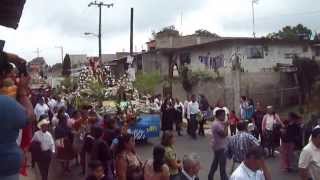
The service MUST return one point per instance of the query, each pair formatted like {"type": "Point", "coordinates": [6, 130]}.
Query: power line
{"type": "Point", "coordinates": [100, 5]}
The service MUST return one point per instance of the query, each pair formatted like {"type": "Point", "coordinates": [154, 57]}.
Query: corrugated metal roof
{"type": "Point", "coordinates": [108, 57]}
{"type": "Point", "coordinates": [77, 59]}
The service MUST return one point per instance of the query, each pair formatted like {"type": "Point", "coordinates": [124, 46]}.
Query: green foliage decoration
{"type": "Point", "coordinates": [147, 82]}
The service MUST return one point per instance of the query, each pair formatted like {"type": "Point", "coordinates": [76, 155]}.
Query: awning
{"type": "Point", "coordinates": [10, 12]}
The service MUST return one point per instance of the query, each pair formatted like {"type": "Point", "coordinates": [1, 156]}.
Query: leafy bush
{"type": "Point", "coordinates": [206, 33]}
{"type": "Point", "coordinates": [190, 78]}
{"type": "Point", "coordinates": [147, 82]}
{"type": "Point", "coordinates": [202, 75]}
{"type": "Point", "coordinates": [167, 31]}
{"type": "Point", "coordinates": [68, 84]}
{"type": "Point", "coordinates": [308, 71]}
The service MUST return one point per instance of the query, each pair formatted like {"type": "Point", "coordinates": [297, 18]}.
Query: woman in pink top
{"type": "Point", "coordinates": [156, 169]}
{"type": "Point", "coordinates": [76, 117]}
{"type": "Point", "coordinates": [78, 133]}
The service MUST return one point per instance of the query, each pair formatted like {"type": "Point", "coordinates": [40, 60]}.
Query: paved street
{"type": "Point", "coordinates": [184, 145]}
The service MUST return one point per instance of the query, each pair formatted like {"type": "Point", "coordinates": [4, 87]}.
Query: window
{"type": "Point", "coordinates": [255, 52]}
{"type": "Point", "coordinates": [185, 58]}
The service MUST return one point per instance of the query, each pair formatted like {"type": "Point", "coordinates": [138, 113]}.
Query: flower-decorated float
{"type": "Point", "coordinates": [99, 88]}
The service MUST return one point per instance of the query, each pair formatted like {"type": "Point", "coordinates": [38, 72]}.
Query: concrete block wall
{"type": "Point", "coordinates": [276, 54]}
{"type": "Point", "coordinates": [181, 41]}
{"type": "Point", "coordinates": [184, 41]}
{"type": "Point", "coordinates": [258, 81]}
{"type": "Point", "coordinates": [262, 87]}
{"type": "Point", "coordinates": [258, 86]}
{"type": "Point", "coordinates": [164, 42]}
{"type": "Point", "coordinates": [213, 90]}
{"type": "Point", "coordinates": [155, 62]}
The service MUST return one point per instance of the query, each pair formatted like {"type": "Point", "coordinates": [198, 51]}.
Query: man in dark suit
{"type": "Point", "coordinates": [190, 168]}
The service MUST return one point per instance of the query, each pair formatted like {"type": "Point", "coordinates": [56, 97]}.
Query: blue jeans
{"type": "Point", "coordinates": [11, 177]}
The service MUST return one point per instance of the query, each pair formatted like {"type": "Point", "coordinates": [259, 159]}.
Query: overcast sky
{"type": "Point", "coordinates": [46, 24]}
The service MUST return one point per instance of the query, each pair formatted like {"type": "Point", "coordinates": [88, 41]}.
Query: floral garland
{"type": "Point", "coordinates": [100, 87]}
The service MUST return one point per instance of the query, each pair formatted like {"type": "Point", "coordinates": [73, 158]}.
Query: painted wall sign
{"type": "Point", "coordinates": [212, 62]}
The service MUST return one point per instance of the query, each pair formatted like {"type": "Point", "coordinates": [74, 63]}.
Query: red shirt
{"type": "Point", "coordinates": [233, 119]}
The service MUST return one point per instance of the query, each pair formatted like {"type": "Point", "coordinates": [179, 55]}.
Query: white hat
{"type": "Point", "coordinates": [316, 127]}
{"type": "Point", "coordinates": [42, 122]}
{"type": "Point", "coordinates": [269, 107]}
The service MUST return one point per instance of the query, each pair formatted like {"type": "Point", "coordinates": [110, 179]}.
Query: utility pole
{"type": "Point", "coordinates": [253, 18]}
{"type": "Point", "coordinates": [100, 4]}
{"type": "Point", "coordinates": [236, 77]}
{"type": "Point", "coordinates": [181, 23]}
{"type": "Point", "coordinates": [61, 50]}
{"type": "Point", "coordinates": [38, 52]}
{"type": "Point", "coordinates": [131, 32]}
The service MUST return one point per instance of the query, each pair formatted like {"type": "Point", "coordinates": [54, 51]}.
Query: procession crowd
{"type": "Point", "coordinates": [105, 149]}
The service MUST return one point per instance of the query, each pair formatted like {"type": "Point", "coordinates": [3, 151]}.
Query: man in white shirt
{"type": "Point", "coordinates": [60, 103]}
{"type": "Point", "coordinates": [269, 122]}
{"type": "Point", "coordinates": [44, 137]}
{"type": "Point", "coordinates": [192, 112]}
{"type": "Point", "coordinates": [309, 161]}
{"type": "Point", "coordinates": [52, 104]}
{"type": "Point", "coordinates": [253, 167]}
{"type": "Point", "coordinates": [220, 105]}
{"type": "Point", "coordinates": [47, 147]}
{"type": "Point", "coordinates": [41, 109]}
{"type": "Point", "coordinates": [185, 112]}
{"type": "Point", "coordinates": [191, 167]}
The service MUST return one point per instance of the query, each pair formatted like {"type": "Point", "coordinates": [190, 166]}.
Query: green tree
{"type": "Point", "coordinates": [308, 72]}
{"type": "Point", "coordinates": [166, 31]}
{"type": "Point", "coordinates": [56, 68]}
{"type": "Point", "coordinates": [66, 66]}
{"type": "Point", "coordinates": [292, 33]}
{"type": "Point", "coordinates": [147, 82]}
{"type": "Point", "coordinates": [68, 84]}
{"type": "Point", "coordinates": [205, 33]}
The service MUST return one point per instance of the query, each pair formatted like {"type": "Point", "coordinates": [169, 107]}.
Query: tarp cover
{"type": "Point", "coordinates": [10, 12]}
{"type": "Point", "coordinates": [147, 126]}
